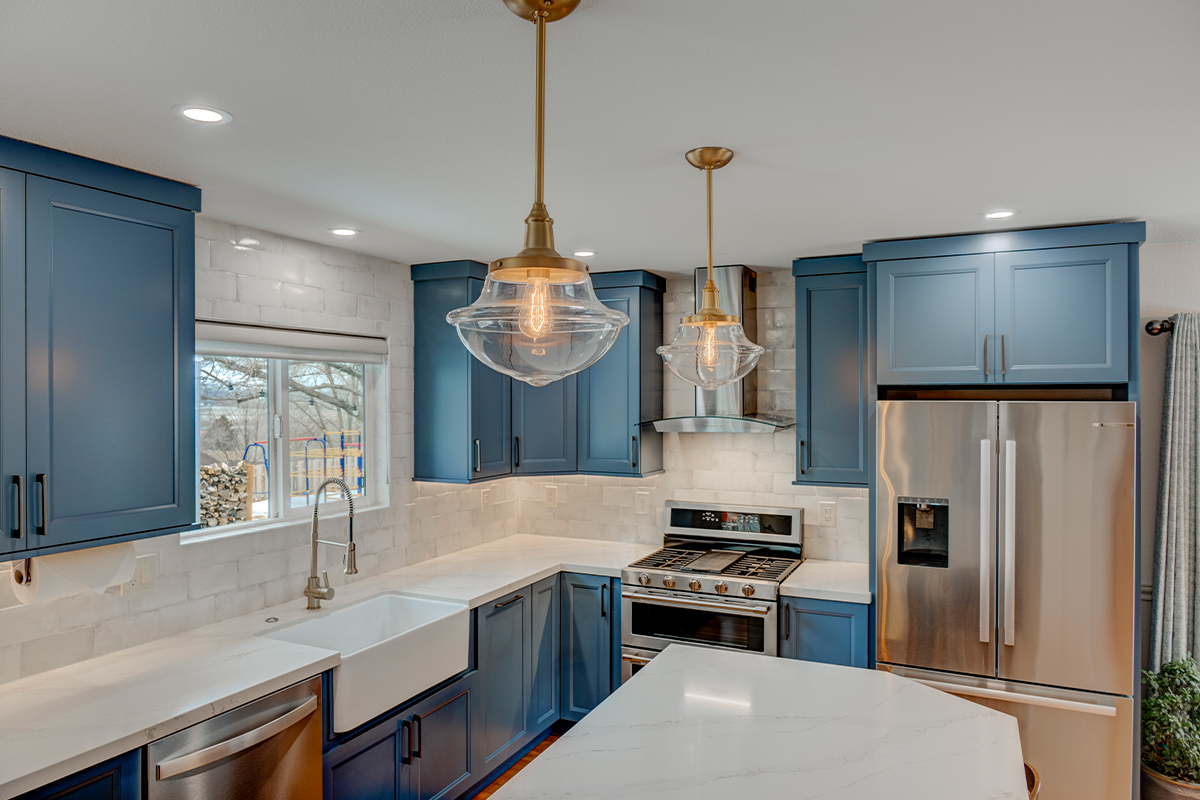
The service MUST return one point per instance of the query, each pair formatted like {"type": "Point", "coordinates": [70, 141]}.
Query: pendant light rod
{"type": "Point", "coordinates": [709, 159]}
{"type": "Point", "coordinates": [540, 119]}
{"type": "Point", "coordinates": [708, 175]}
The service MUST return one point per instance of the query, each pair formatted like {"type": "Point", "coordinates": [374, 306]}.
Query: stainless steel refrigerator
{"type": "Point", "coordinates": [1007, 573]}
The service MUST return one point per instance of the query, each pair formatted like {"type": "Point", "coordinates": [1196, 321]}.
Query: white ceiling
{"type": "Point", "coordinates": [852, 120]}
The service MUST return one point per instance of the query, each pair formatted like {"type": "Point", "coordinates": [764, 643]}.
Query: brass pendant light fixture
{"type": "Point", "coordinates": [538, 318]}
{"type": "Point", "coordinates": [710, 349]}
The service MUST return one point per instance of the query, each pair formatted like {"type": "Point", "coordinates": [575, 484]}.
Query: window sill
{"type": "Point", "coordinates": [260, 526]}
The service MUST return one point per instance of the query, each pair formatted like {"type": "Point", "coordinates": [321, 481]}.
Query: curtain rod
{"type": "Point", "coordinates": [1158, 326]}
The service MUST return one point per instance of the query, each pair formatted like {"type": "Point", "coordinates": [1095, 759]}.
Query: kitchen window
{"type": "Point", "coordinates": [277, 413]}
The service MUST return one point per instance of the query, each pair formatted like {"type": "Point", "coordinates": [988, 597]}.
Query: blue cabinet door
{"type": "Point", "coordinates": [441, 757]}
{"type": "Point", "coordinates": [934, 320]}
{"type": "Point", "coordinates": [824, 631]}
{"type": "Point", "coordinates": [543, 699]}
{"type": "Point", "coordinates": [1062, 315]}
{"type": "Point", "coordinates": [832, 379]}
{"type": "Point", "coordinates": [110, 304]}
{"type": "Point", "coordinates": [543, 427]}
{"type": "Point", "coordinates": [587, 643]}
{"type": "Point", "coordinates": [119, 778]}
{"type": "Point", "coordinates": [504, 654]}
{"type": "Point", "coordinates": [367, 767]}
{"type": "Point", "coordinates": [15, 533]}
{"type": "Point", "coordinates": [608, 396]}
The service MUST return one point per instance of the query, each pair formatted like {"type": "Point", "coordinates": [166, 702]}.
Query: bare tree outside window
{"type": "Point", "coordinates": [326, 413]}
{"type": "Point", "coordinates": [234, 424]}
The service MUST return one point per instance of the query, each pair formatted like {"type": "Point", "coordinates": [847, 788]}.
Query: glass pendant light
{"type": "Point", "coordinates": [710, 349]}
{"type": "Point", "coordinates": [538, 318]}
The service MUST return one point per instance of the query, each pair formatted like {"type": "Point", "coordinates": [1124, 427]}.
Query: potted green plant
{"type": "Point", "coordinates": [1171, 732]}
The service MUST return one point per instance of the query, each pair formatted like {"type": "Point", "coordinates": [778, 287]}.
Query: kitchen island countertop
{"type": "Point", "coordinates": [699, 723]}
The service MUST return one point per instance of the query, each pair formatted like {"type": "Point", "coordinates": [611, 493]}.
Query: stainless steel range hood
{"type": "Point", "coordinates": [732, 408]}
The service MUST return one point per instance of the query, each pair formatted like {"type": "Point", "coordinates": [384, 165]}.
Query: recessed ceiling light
{"type": "Point", "coordinates": [343, 231]}
{"type": "Point", "coordinates": [584, 253]}
{"type": "Point", "coordinates": [205, 114]}
{"type": "Point", "coordinates": [998, 214]}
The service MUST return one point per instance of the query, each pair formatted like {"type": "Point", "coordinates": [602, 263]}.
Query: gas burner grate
{"type": "Point", "coordinates": [667, 558]}
{"type": "Point", "coordinates": [766, 568]}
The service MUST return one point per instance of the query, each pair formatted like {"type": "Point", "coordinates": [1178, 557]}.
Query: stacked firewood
{"type": "Point", "coordinates": [224, 493]}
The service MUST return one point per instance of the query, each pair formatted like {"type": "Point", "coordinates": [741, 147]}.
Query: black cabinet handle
{"type": "Point", "coordinates": [44, 485]}
{"type": "Point", "coordinates": [416, 751]}
{"type": "Point", "coordinates": [478, 456]}
{"type": "Point", "coordinates": [509, 601]}
{"type": "Point", "coordinates": [603, 595]}
{"type": "Point", "coordinates": [406, 759]}
{"type": "Point", "coordinates": [516, 451]}
{"type": "Point", "coordinates": [800, 456]}
{"type": "Point", "coordinates": [633, 451]}
{"type": "Point", "coordinates": [787, 621]}
{"type": "Point", "coordinates": [987, 370]}
{"type": "Point", "coordinates": [19, 531]}
{"type": "Point", "coordinates": [1003, 357]}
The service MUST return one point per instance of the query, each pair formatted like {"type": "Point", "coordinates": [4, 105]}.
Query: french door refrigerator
{"type": "Point", "coordinates": [1007, 573]}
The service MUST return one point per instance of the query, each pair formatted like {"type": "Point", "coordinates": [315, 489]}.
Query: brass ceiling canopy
{"type": "Point", "coordinates": [552, 10]}
{"type": "Point", "coordinates": [708, 159]}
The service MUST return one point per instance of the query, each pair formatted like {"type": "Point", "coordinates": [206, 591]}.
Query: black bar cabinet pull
{"type": "Point", "coordinates": [633, 451]}
{"type": "Point", "coordinates": [516, 451]}
{"type": "Point", "coordinates": [19, 482]}
{"type": "Point", "coordinates": [800, 456]}
{"type": "Point", "coordinates": [987, 370]}
{"type": "Point", "coordinates": [416, 751]}
{"type": "Point", "coordinates": [787, 621]}
{"type": "Point", "coordinates": [1003, 357]}
{"type": "Point", "coordinates": [603, 595]}
{"type": "Point", "coordinates": [509, 601]}
{"type": "Point", "coordinates": [44, 486]}
{"type": "Point", "coordinates": [406, 726]}
{"type": "Point", "coordinates": [478, 456]}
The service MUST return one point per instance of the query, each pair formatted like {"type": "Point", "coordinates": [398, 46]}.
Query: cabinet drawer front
{"type": "Point", "coordinates": [933, 315]}
{"type": "Point", "coordinates": [111, 394]}
{"type": "Point", "coordinates": [1063, 315]}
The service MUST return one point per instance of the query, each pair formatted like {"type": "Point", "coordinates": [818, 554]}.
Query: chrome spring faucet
{"type": "Point", "coordinates": [314, 591]}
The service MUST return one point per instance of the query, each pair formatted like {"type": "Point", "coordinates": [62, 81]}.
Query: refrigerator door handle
{"type": "Point", "coordinates": [1010, 543]}
{"type": "Point", "coordinates": [985, 528]}
{"type": "Point", "coordinates": [1100, 708]}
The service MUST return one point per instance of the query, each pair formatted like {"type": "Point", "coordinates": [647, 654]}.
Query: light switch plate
{"type": "Point", "coordinates": [551, 496]}
{"type": "Point", "coordinates": [145, 575]}
{"type": "Point", "coordinates": [641, 502]}
{"type": "Point", "coordinates": [828, 514]}
{"type": "Point", "coordinates": [485, 498]}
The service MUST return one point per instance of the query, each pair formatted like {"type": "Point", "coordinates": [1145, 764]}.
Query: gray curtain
{"type": "Point", "coordinates": [1175, 623]}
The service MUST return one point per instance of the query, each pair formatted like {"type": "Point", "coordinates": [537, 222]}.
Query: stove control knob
{"type": "Point", "coordinates": [644, 579]}
{"type": "Point", "coordinates": [694, 585]}
{"type": "Point", "coordinates": [748, 590]}
{"type": "Point", "coordinates": [669, 582]}
{"type": "Point", "coordinates": [721, 587]}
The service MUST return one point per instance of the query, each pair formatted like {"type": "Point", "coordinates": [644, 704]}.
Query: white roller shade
{"type": "Point", "coordinates": [254, 341]}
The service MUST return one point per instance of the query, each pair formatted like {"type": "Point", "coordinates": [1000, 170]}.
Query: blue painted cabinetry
{"type": "Point", "coordinates": [824, 631]}
{"type": "Point", "coordinates": [97, 302]}
{"type": "Point", "coordinates": [543, 427]}
{"type": "Point", "coordinates": [461, 408]}
{"type": "Point", "coordinates": [1018, 307]}
{"type": "Point", "coordinates": [591, 647]}
{"type": "Point", "coordinates": [505, 666]}
{"type": "Point", "coordinates": [834, 371]}
{"type": "Point", "coordinates": [622, 393]}
{"type": "Point", "coordinates": [116, 779]}
{"type": "Point", "coordinates": [544, 694]}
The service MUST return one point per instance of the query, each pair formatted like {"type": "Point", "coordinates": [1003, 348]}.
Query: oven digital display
{"type": "Point", "coordinates": [708, 520]}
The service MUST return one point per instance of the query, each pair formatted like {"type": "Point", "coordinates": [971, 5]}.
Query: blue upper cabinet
{"type": "Point", "coordinates": [97, 302]}
{"type": "Point", "coordinates": [451, 387]}
{"type": "Point", "coordinates": [1062, 315]}
{"type": "Point", "coordinates": [1012, 307]}
{"type": "Point", "coordinates": [543, 427]}
{"type": "Point", "coordinates": [623, 391]}
{"type": "Point", "coordinates": [833, 370]}
{"type": "Point", "coordinates": [935, 319]}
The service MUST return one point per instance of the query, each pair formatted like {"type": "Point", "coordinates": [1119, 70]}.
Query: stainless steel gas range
{"type": "Point", "coordinates": [715, 583]}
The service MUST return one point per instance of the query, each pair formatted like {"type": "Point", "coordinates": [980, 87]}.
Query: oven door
{"type": "Point", "coordinates": [633, 659]}
{"type": "Point", "coordinates": [651, 621]}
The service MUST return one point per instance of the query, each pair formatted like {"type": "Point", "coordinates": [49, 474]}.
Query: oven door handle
{"type": "Point", "coordinates": [729, 608]}
{"type": "Point", "coordinates": [634, 659]}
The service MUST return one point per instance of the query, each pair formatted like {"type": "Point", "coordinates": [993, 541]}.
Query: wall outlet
{"type": "Point", "coordinates": [485, 498]}
{"type": "Point", "coordinates": [827, 518]}
{"type": "Point", "coordinates": [145, 575]}
{"type": "Point", "coordinates": [641, 502]}
{"type": "Point", "coordinates": [551, 496]}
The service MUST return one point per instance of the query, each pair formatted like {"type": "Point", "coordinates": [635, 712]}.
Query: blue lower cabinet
{"type": "Point", "coordinates": [119, 778]}
{"type": "Point", "coordinates": [824, 631]}
{"type": "Point", "coordinates": [590, 657]}
{"type": "Point", "coordinates": [367, 767]}
{"type": "Point", "coordinates": [543, 700]}
{"type": "Point", "coordinates": [438, 733]}
{"type": "Point", "coordinates": [505, 675]}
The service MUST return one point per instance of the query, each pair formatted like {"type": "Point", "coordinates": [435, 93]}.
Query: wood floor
{"type": "Point", "coordinates": [491, 788]}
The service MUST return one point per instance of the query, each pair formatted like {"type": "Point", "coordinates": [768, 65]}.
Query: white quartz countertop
{"type": "Point", "coordinates": [700, 723]}
{"type": "Point", "coordinates": [843, 581]}
{"type": "Point", "coordinates": [59, 722]}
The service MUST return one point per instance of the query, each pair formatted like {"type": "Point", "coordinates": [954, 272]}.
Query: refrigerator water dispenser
{"type": "Point", "coordinates": [924, 531]}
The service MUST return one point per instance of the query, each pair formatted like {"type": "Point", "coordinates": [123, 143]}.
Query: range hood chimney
{"type": "Point", "coordinates": [734, 407]}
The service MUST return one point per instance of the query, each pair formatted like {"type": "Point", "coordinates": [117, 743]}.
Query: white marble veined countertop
{"type": "Point", "coordinates": [698, 723]}
{"type": "Point", "coordinates": [843, 581]}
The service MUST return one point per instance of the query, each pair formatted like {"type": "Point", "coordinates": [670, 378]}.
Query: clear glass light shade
{"type": "Point", "coordinates": [538, 331]}
{"type": "Point", "coordinates": [710, 355]}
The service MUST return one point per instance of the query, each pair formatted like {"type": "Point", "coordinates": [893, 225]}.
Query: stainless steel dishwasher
{"type": "Point", "coordinates": [270, 748]}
